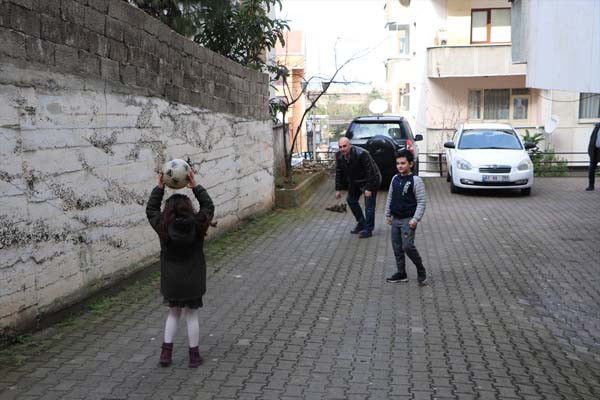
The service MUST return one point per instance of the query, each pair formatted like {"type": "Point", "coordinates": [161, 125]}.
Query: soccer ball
{"type": "Point", "coordinates": [175, 173]}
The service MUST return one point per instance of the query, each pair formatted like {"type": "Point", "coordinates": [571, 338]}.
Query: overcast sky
{"type": "Point", "coordinates": [355, 24]}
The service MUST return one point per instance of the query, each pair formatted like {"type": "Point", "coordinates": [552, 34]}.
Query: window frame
{"type": "Point", "coordinates": [398, 27]}
{"type": "Point", "coordinates": [512, 106]}
{"type": "Point", "coordinates": [404, 98]}
{"type": "Point", "coordinates": [586, 119]}
{"type": "Point", "coordinates": [479, 108]}
{"type": "Point", "coordinates": [488, 25]}
{"type": "Point", "coordinates": [511, 110]}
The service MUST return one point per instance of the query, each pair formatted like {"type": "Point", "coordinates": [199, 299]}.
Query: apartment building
{"type": "Point", "coordinates": [450, 62]}
{"type": "Point", "coordinates": [292, 55]}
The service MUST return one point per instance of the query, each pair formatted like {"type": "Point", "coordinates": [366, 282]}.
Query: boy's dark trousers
{"type": "Point", "coordinates": [403, 241]}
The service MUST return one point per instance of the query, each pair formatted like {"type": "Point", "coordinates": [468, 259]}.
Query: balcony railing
{"type": "Point", "coordinates": [472, 61]}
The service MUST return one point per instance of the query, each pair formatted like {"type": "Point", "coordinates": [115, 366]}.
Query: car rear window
{"type": "Point", "coordinates": [365, 130]}
{"type": "Point", "coordinates": [489, 139]}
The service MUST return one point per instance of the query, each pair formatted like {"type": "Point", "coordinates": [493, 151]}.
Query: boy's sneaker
{"type": "Point", "coordinates": [422, 280]}
{"type": "Point", "coordinates": [397, 277]}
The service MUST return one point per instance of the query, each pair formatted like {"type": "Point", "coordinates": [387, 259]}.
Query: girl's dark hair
{"type": "Point", "coordinates": [177, 206]}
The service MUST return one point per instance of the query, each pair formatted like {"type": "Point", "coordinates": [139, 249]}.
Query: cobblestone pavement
{"type": "Point", "coordinates": [301, 310]}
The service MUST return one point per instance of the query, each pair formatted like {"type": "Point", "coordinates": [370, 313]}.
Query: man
{"type": "Point", "coordinates": [360, 171]}
{"type": "Point", "coordinates": [594, 152]}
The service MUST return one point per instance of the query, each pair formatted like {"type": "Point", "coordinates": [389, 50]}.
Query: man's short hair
{"type": "Point", "coordinates": [405, 154]}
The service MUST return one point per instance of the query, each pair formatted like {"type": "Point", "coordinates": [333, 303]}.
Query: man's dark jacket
{"type": "Point", "coordinates": [182, 263]}
{"type": "Point", "coordinates": [592, 150]}
{"type": "Point", "coordinates": [358, 169]}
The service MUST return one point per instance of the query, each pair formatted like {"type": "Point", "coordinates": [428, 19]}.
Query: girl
{"type": "Point", "coordinates": [182, 267]}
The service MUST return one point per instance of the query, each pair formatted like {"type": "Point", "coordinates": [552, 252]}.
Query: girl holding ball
{"type": "Point", "coordinates": [181, 232]}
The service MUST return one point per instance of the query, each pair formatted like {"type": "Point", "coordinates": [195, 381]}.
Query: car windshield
{"type": "Point", "coordinates": [368, 130]}
{"type": "Point", "coordinates": [489, 139]}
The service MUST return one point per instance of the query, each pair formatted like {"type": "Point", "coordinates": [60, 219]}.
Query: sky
{"type": "Point", "coordinates": [349, 27]}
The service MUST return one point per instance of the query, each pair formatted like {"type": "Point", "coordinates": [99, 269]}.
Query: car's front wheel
{"type": "Point", "coordinates": [526, 191]}
{"type": "Point", "coordinates": [454, 188]}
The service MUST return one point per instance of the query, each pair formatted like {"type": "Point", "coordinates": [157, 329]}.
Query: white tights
{"type": "Point", "coordinates": [191, 319]}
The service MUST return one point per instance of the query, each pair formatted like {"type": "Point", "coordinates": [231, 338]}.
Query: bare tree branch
{"type": "Point", "coordinates": [356, 56]}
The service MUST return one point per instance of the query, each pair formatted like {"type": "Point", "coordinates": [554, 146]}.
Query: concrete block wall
{"type": "Point", "coordinates": [94, 97]}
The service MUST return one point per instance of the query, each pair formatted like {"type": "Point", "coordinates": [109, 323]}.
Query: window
{"type": "Point", "coordinates": [367, 130]}
{"type": "Point", "coordinates": [498, 104]}
{"type": "Point", "coordinates": [404, 95]}
{"type": "Point", "coordinates": [474, 104]}
{"type": "Point", "coordinates": [405, 102]}
{"type": "Point", "coordinates": [489, 139]}
{"type": "Point", "coordinates": [402, 38]}
{"type": "Point", "coordinates": [520, 107]}
{"type": "Point", "coordinates": [589, 105]}
{"type": "Point", "coordinates": [490, 25]}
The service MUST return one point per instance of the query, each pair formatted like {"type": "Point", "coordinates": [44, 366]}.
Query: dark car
{"type": "Point", "coordinates": [382, 137]}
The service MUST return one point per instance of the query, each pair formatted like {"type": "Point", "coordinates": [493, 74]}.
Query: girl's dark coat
{"type": "Point", "coordinates": [182, 263]}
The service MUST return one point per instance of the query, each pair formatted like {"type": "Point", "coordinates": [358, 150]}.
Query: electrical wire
{"type": "Point", "coordinates": [569, 101]}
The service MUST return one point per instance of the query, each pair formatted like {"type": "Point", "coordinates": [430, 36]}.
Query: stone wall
{"type": "Point", "coordinates": [94, 97]}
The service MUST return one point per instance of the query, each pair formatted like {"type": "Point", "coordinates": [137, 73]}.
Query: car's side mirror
{"type": "Point", "coordinates": [449, 145]}
{"type": "Point", "coordinates": [418, 137]}
{"type": "Point", "coordinates": [529, 145]}
{"type": "Point", "coordinates": [349, 135]}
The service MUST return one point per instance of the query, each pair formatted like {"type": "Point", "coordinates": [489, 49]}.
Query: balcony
{"type": "Point", "coordinates": [472, 61]}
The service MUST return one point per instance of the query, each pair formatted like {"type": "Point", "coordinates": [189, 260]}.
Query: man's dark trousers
{"type": "Point", "coordinates": [593, 165]}
{"type": "Point", "coordinates": [366, 221]}
{"type": "Point", "coordinates": [594, 153]}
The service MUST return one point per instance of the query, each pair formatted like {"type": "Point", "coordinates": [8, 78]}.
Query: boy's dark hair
{"type": "Point", "coordinates": [405, 154]}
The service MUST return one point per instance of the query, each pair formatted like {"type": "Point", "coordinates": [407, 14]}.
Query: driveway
{"type": "Point", "coordinates": [297, 308]}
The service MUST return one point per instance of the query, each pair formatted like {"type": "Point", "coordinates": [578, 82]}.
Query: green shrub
{"type": "Point", "coordinates": [549, 164]}
{"type": "Point", "coordinates": [545, 163]}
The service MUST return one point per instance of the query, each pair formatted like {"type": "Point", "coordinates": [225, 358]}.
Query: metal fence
{"type": "Point", "coordinates": [434, 164]}
{"type": "Point", "coordinates": [326, 158]}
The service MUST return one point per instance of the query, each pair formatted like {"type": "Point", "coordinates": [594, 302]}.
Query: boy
{"type": "Point", "coordinates": [404, 209]}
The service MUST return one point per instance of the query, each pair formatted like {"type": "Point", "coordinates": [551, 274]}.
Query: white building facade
{"type": "Point", "coordinates": [451, 62]}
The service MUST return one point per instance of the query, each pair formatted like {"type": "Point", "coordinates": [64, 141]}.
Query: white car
{"type": "Point", "coordinates": [488, 156]}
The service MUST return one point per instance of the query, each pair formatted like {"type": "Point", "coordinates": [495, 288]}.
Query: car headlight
{"type": "Point", "coordinates": [525, 165]}
{"type": "Point", "coordinates": [463, 164]}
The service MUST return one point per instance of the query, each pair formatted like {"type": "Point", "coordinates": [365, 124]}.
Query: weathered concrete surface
{"type": "Point", "coordinates": [77, 163]}
{"type": "Point", "coordinates": [94, 96]}
{"type": "Point", "coordinates": [298, 308]}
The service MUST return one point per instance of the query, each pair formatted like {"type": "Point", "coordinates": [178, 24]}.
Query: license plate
{"type": "Point", "coordinates": [494, 178]}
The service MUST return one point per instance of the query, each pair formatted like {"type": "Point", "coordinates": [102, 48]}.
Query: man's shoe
{"type": "Point", "coordinates": [364, 234]}
{"type": "Point", "coordinates": [396, 278]}
{"type": "Point", "coordinates": [422, 280]}
{"type": "Point", "coordinates": [357, 229]}
{"type": "Point", "coordinates": [589, 188]}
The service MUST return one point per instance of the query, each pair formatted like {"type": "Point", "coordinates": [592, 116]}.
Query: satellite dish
{"type": "Point", "coordinates": [378, 106]}
{"type": "Point", "coordinates": [551, 124]}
